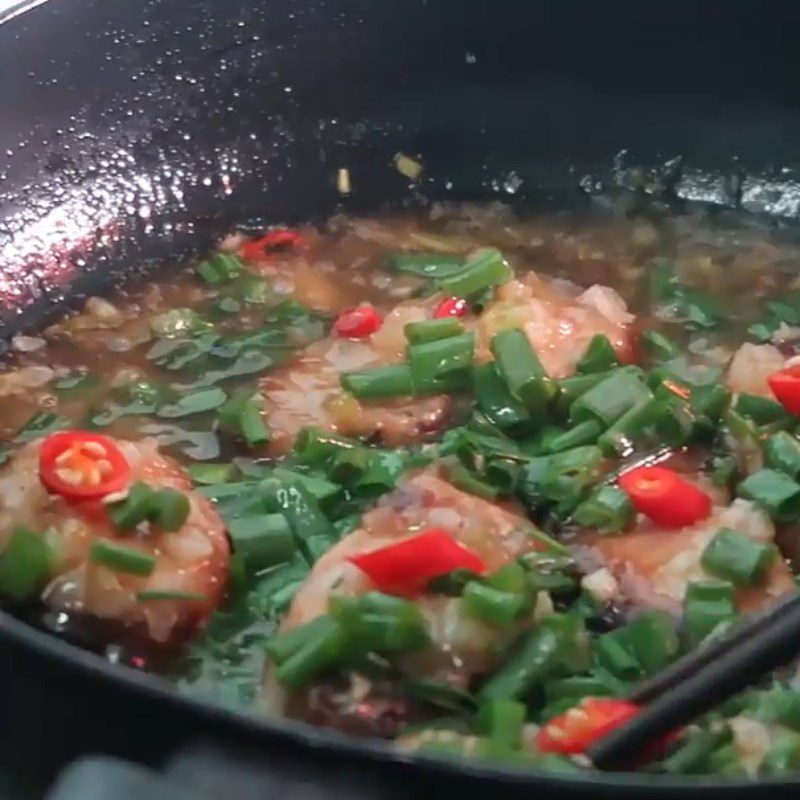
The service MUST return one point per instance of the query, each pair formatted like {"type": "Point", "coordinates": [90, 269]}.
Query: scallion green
{"type": "Point", "coordinates": [522, 370]}
{"type": "Point", "coordinates": [733, 556]}
{"type": "Point", "coordinates": [25, 564]}
{"type": "Point", "coordinates": [775, 492]}
{"type": "Point", "coordinates": [607, 510]}
{"type": "Point", "coordinates": [264, 540]}
{"type": "Point", "coordinates": [121, 558]}
{"type": "Point", "coordinates": [483, 270]}
{"type": "Point", "coordinates": [430, 330]}
{"type": "Point", "coordinates": [782, 453]}
{"type": "Point", "coordinates": [707, 605]}
{"type": "Point", "coordinates": [442, 365]}
{"type": "Point", "coordinates": [610, 399]}
{"type": "Point", "coordinates": [495, 400]}
{"type": "Point", "coordinates": [600, 356]}
{"type": "Point", "coordinates": [392, 380]}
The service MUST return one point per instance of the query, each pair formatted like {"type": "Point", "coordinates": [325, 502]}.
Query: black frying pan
{"type": "Point", "coordinates": [138, 132]}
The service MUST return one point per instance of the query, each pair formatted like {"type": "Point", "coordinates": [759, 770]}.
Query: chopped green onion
{"type": "Point", "coordinates": [320, 488]}
{"type": "Point", "coordinates": [608, 510]}
{"type": "Point", "coordinates": [775, 492]}
{"type": "Point", "coordinates": [653, 639]}
{"type": "Point", "coordinates": [227, 305]}
{"type": "Point", "coordinates": [709, 401]}
{"type": "Point", "coordinates": [430, 330]}
{"type": "Point", "coordinates": [575, 689]}
{"type": "Point", "coordinates": [453, 583]}
{"type": "Point", "coordinates": [557, 643]}
{"type": "Point", "coordinates": [380, 623]}
{"type": "Point", "coordinates": [440, 695]}
{"type": "Point", "coordinates": [782, 453]}
{"type": "Point", "coordinates": [619, 438]}
{"type": "Point", "coordinates": [578, 435]}
{"type": "Point", "coordinates": [428, 265]}
{"type": "Point", "coordinates": [504, 473]}
{"type": "Point", "coordinates": [708, 605]}
{"type": "Point", "coordinates": [393, 380]}
{"type": "Point", "coordinates": [511, 577]}
{"type": "Point", "coordinates": [522, 370]}
{"type": "Point", "coordinates": [783, 755]}
{"type": "Point", "coordinates": [732, 556]}
{"type": "Point", "coordinates": [787, 308]}
{"type": "Point", "coordinates": [698, 310]}
{"type": "Point", "coordinates": [570, 389]}
{"type": "Point", "coordinates": [241, 416]}
{"type": "Point", "coordinates": [25, 564]}
{"type": "Point", "coordinates": [287, 643]}
{"type": "Point", "coordinates": [135, 508]}
{"type": "Point", "coordinates": [347, 466]}
{"type": "Point", "coordinates": [41, 424]}
{"type": "Point", "coordinates": [318, 653]}
{"type": "Point", "coordinates": [311, 528]}
{"type": "Point", "coordinates": [675, 422]}
{"type": "Point", "coordinates": [659, 347]}
{"type": "Point", "coordinates": [566, 476]}
{"type": "Point", "coordinates": [263, 540]}
{"type": "Point", "coordinates": [494, 398]}
{"type": "Point", "coordinates": [548, 542]}
{"type": "Point", "coordinates": [253, 290]}
{"type": "Point", "coordinates": [158, 595]}
{"type": "Point", "coordinates": [314, 447]}
{"type": "Point", "coordinates": [195, 403]}
{"type": "Point", "coordinates": [210, 474]}
{"type": "Point", "coordinates": [779, 704]}
{"type": "Point", "coordinates": [762, 410]}
{"type": "Point", "coordinates": [682, 373]}
{"type": "Point", "coordinates": [219, 268]}
{"type": "Point", "coordinates": [612, 652]}
{"type": "Point", "coordinates": [492, 606]}
{"type": "Point", "coordinates": [483, 270]}
{"type": "Point", "coordinates": [442, 365]}
{"type": "Point", "coordinates": [169, 509]}
{"type": "Point", "coordinates": [121, 558]}
{"type": "Point", "coordinates": [468, 482]}
{"type": "Point", "coordinates": [600, 356]}
{"type": "Point", "coordinates": [664, 283]}
{"type": "Point", "coordinates": [610, 399]}
{"type": "Point", "coordinates": [723, 470]}
{"type": "Point", "coordinates": [691, 758]}
{"type": "Point", "coordinates": [763, 331]}
{"type": "Point", "coordinates": [501, 721]}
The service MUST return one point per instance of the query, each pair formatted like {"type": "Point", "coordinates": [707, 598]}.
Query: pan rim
{"type": "Point", "coordinates": [300, 734]}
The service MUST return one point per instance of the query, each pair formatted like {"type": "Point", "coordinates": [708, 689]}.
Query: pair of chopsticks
{"type": "Point", "coordinates": [702, 680]}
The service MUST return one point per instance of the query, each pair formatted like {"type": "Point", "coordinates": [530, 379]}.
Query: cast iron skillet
{"type": "Point", "coordinates": [138, 132]}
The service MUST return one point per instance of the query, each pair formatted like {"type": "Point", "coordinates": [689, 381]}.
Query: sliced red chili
{"type": "Point", "coordinates": [355, 323]}
{"type": "Point", "coordinates": [785, 385]}
{"type": "Point", "coordinates": [407, 567]}
{"type": "Point", "coordinates": [273, 241]}
{"type": "Point", "coordinates": [576, 730]}
{"type": "Point", "coordinates": [666, 497]}
{"type": "Point", "coordinates": [452, 307]}
{"type": "Point", "coordinates": [82, 466]}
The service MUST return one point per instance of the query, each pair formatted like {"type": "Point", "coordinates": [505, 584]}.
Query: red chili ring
{"type": "Point", "coordinates": [58, 472]}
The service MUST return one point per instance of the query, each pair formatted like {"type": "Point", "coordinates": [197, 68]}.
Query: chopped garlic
{"type": "Point", "coordinates": [343, 181]}
{"type": "Point", "coordinates": [407, 166]}
{"type": "Point", "coordinates": [601, 585]}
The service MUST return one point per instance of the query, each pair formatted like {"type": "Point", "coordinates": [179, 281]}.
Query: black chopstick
{"type": "Point", "coordinates": [769, 642]}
